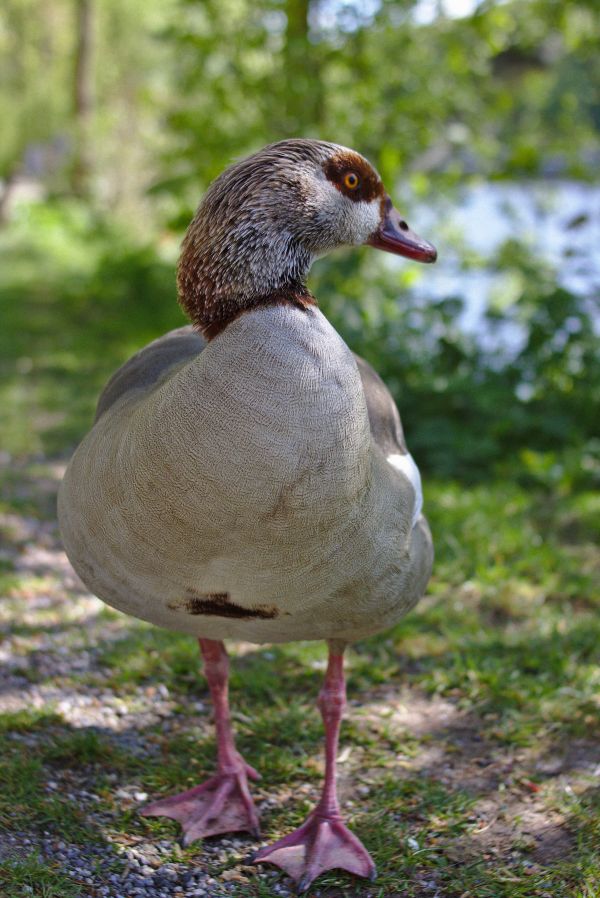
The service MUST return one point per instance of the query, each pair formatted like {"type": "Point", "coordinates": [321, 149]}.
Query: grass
{"type": "Point", "coordinates": [453, 718]}
{"type": "Point", "coordinates": [18, 879]}
{"type": "Point", "coordinates": [470, 747]}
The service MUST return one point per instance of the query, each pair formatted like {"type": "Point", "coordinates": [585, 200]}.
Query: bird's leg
{"type": "Point", "coordinates": [216, 671]}
{"type": "Point", "coordinates": [323, 842]}
{"type": "Point", "coordinates": [223, 803]}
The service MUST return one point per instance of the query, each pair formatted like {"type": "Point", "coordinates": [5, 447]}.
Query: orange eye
{"type": "Point", "coordinates": [351, 180]}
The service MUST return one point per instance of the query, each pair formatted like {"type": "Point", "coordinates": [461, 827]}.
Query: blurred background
{"type": "Point", "coordinates": [483, 119]}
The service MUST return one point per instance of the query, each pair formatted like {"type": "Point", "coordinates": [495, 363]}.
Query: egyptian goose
{"type": "Point", "coordinates": [247, 477]}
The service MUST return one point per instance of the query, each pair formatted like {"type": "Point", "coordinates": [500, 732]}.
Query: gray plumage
{"type": "Point", "coordinates": [253, 487]}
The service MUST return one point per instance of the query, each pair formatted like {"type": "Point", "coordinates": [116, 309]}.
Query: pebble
{"type": "Point", "coordinates": [139, 877]}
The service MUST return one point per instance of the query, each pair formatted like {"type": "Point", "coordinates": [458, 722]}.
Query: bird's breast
{"type": "Point", "coordinates": [238, 486]}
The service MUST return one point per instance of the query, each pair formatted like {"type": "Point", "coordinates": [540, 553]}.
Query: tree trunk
{"type": "Point", "coordinates": [302, 76]}
{"type": "Point", "coordinates": [6, 192]}
{"type": "Point", "coordinates": [83, 98]}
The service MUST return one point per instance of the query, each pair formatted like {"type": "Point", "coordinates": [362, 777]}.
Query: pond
{"type": "Point", "coordinates": [558, 220]}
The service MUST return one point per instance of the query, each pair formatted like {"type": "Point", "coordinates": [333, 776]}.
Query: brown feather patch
{"type": "Point", "coordinates": [370, 185]}
{"type": "Point", "coordinates": [219, 604]}
{"type": "Point", "coordinates": [299, 297]}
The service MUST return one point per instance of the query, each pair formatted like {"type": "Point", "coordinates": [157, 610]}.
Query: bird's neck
{"type": "Point", "coordinates": [219, 280]}
{"type": "Point", "coordinates": [211, 317]}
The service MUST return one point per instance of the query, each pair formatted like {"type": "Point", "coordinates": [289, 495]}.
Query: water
{"type": "Point", "coordinates": [558, 221]}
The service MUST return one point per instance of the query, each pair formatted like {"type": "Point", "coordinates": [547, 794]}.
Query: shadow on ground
{"type": "Point", "coordinates": [459, 780]}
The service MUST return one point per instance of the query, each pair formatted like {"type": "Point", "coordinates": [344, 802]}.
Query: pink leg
{"type": "Point", "coordinates": [323, 842]}
{"type": "Point", "coordinates": [223, 803]}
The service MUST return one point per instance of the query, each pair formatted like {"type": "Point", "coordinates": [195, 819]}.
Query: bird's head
{"type": "Point", "coordinates": [265, 219]}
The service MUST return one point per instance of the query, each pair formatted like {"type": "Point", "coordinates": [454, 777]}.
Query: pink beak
{"type": "Point", "coordinates": [395, 236]}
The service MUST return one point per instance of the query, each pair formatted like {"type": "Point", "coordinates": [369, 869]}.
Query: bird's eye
{"type": "Point", "coordinates": [351, 180]}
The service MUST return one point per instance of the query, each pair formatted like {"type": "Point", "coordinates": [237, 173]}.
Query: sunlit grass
{"type": "Point", "coordinates": [31, 876]}
{"type": "Point", "coordinates": [506, 639]}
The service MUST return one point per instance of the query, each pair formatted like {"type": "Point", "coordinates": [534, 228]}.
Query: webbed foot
{"type": "Point", "coordinates": [322, 843]}
{"type": "Point", "coordinates": [222, 804]}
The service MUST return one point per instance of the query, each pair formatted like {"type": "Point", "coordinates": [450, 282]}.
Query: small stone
{"type": "Point", "coordinates": [234, 876]}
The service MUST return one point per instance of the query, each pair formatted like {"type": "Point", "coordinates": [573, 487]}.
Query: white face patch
{"type": "Point", "coordinates": [340, 220]}
{"type": "Point", "coordinates": [364, 219]}
{"type": "Point", "coordinates": [406, 465]}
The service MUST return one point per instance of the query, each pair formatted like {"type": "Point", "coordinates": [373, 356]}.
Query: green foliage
{"type": "Point", "coordinates": [77, 297]}
{"type": "Point", "coordinates": [32, 108]}
{"type": "Point", "coordinates": [504, 89]}
{"type": "Point", "coordinates": [181, 88]}
{"type": "Point", "coordinates": [533, 414]}
{"type": "Point", "coordinates": [38, 78]}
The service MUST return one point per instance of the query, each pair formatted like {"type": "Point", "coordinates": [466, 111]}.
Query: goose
{"type": "Point", "coordinates": [247, 476]}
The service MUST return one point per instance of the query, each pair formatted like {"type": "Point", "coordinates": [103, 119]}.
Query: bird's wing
{"type": "Point", "coordinates": [148, 366]}
{"type": "Point", "coordinates": [384, 417]}
{"type": "Point", "coordinates": [386, 428]}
